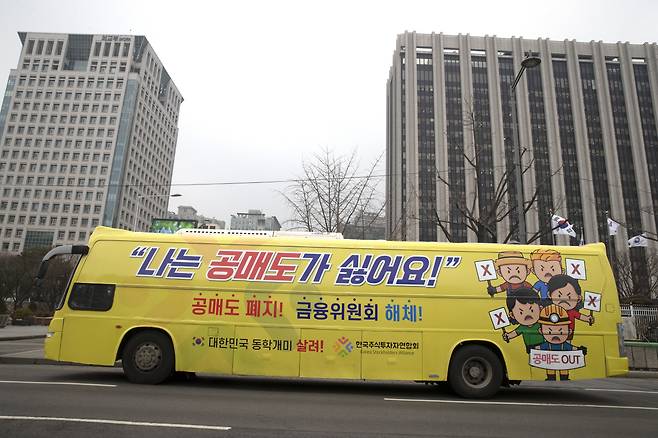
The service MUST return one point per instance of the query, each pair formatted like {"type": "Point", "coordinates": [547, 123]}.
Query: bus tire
{"type": "Point", "coordinates": [475, 372]}
{"type": "Point", "coordinates": [148, 358]}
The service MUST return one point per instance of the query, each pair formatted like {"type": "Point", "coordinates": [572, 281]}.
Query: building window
{"type": "Point", "coordinates": [38, 239]}
{"type": "Point", "coordinates": [649, 132]}
{"type": "Point", "coordinates": [568, 143]}
{"type": "Point", "coordinates": [596, 146]}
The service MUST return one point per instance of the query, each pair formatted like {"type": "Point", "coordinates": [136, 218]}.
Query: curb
{"type": "Point", "coordinates": [43, 361]}
{"type": "Point", "coordinates": [30, 361]}
{"type": "Point", "coordinates": [21, 338]}
{"type": "Point", "coordinates": [637, 374]}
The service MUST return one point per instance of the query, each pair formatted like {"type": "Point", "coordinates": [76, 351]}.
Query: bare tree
{"type": "Point", "coordinates": [17, 275]}
{"type": "Point", "coordinates": [5, 274]}
{"type": "Point", "coordinates": [489, 203]}
{"type": "Point", "coordinates": [331, 191]}
{"type": "Point", "coordinates": [52, 287]}
{"type": "Point", "coordinates": [629, 288]}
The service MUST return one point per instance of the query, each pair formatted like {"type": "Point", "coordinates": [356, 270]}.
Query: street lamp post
{"type": "Point", "coordinates": [139, 204]}
{"type": "Point", "coordinates": [528, 62]}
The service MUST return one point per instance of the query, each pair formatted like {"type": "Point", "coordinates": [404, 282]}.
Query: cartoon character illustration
{"type": "Point", "coordinates": [565, 292]}
{"type": "Point", "coordinates": [546, 263]}
{"type": "Point", "coordinates": [523, 305]}
{"type": "Point", "coordinates": [555, 327]}
{"type": "Point", "coordinates": [514, 268]}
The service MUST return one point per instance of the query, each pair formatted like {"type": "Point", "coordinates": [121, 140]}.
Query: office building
{"type": "Point", "coordinates": [586, 133]}
{"type": "Point", "coordinates": [190, 213]}
{"type": "Point", "coordinates": [366, 225]}
{"type": "Point", "coordinates": [88, 130]}
{"type": "Point", "coordinates": [254, 220]}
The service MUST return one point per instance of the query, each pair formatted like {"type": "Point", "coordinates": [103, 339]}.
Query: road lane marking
{"type": "Point", "coordinates": [116, 422]}
{"type": "Point", "coordinates": [552, 405]}
{"type": "Point", "coordinates": [27, 382]}
{"type": "Point", "coordinates": [637, 391]}
{"type": "Point", "coordinates": [22, 352]}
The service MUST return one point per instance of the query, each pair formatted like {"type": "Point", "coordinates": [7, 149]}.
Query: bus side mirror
{"type": "Point", "coordinates": [43, 268]}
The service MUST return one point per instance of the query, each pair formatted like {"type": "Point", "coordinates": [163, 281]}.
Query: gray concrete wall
{"type": "Point", "coordinates": [642, 356]}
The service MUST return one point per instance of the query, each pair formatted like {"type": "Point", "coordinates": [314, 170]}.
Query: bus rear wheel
{"type": "Point", "coordinates": [475, 372]}
{"type": "Point", "coordinates": [148, 358]}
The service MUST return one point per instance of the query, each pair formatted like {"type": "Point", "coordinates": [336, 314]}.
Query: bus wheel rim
{"type": "Point", "coordinates": [148, 356]}
{"type": "Point", "coordinates": [477, 372]}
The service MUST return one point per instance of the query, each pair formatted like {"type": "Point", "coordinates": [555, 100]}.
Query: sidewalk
{"type": "Point", "coordinates": [23, 344]}
{"type": "Point", "coordinates": [17, 332]}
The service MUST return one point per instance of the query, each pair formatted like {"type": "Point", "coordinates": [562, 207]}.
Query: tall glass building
{"type": "Point", "coordinates": [88, 130]}
{"type": "Point", "coordinates": [587, 127]}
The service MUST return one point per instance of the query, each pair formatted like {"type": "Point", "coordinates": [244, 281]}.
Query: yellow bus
{"type": "Point", "coordinates": [479, 316]}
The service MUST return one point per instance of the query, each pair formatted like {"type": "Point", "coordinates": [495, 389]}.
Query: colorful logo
{"type": "Point", "coordinates": [343, 346]}
{"type": "Point", "coordinates": [198, 341]}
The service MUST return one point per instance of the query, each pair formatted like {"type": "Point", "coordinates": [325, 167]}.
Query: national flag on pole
{"type": "Point", "coordinates": [613, 226]}
{"type": "Point", "coordinates": [637, 241]}
{"type": "Point", "coordinates": [562, 226]}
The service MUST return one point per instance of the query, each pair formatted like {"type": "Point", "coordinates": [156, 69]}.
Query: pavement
{"type": "Point", "coordinates": [24, 345]}
{"type": "Point", "coordinates": [18, 332]}
{"type": "Point", "coordinates": [65, 402]}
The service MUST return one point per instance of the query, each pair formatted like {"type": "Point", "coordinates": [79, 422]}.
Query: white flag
{"type": "Point", "coordinates": [638, 240]}
{"type": "Point", "coordinates": [562, 226]}
{"type": "Point", "coordinates": [613, 226]}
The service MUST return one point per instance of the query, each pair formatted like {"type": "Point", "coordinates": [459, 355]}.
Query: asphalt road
{"type": "Point", "coordinates": [72, 401]}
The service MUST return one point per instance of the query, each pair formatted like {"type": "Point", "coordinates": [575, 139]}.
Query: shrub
{"type": "Point", "coordinates": [23, 313]}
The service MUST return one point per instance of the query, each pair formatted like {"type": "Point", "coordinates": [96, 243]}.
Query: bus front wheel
{"type": "Point", "coordinates": [148, 358]}
{"type": "Point", "coordinates": [475, 372]}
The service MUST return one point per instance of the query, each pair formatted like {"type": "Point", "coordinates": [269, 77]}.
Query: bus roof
{"type": "Point", "coordinates": [106, 233]}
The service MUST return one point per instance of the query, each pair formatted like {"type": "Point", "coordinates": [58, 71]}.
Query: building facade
{"type": "Point", "coordinates": [586, 134]}
{"type": "Point", "coordinates": [254, 220]}
{"type": "Point", "coordinates": [88, 124]}
{"type": "Point", "coordinates": [366, 226]}
{"type": "Point", "coordinates": [189, 212]}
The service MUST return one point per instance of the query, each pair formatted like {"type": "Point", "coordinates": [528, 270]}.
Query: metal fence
{"type": "Point", "coordinates": [644, 320]}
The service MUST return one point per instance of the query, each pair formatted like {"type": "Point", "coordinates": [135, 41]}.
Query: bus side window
{"type": "Point", "coordinates": [98, 297]}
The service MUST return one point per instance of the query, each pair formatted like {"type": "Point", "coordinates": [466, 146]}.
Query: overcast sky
{"type": "Point", "coordinates": [267, 84]}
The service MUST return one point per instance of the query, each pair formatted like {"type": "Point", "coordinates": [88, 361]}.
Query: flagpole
{"type": "Point", "coordinates": [550, 225]}
{"type": "Point", "coordinates": [607, 235]}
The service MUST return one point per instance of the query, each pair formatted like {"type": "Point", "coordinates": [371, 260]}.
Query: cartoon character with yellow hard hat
{"type": "Point", "coordinates": [565, 291]}
{"type": "Point", "coordinates": [555, 327]}
{"type": "Point", "coordinates": [514, 268]}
